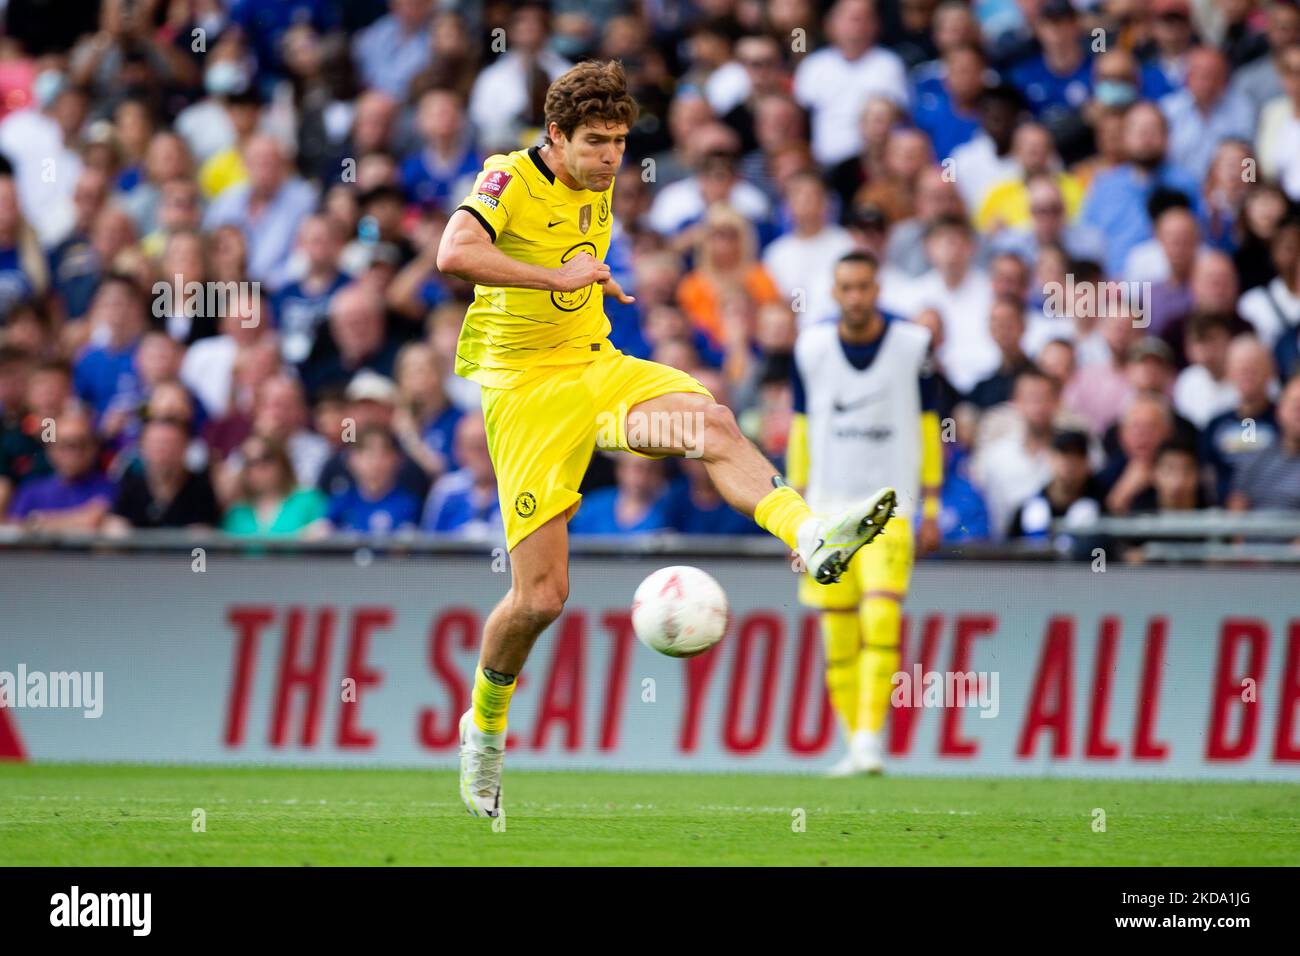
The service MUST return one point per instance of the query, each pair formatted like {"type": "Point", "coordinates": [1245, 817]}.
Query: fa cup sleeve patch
{"type": "Point", "coordinates": [494, 182]}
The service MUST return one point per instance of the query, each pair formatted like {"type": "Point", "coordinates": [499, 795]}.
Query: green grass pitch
{"type": "Point", "coordinates": [129, 815]}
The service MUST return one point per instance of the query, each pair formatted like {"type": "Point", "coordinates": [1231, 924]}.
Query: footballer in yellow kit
{"type": "Point", "coordinates": [532, 235]}
{"type": "Point", "coordinates": [865, 413]}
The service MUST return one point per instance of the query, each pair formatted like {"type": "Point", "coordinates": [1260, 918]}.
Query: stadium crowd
{"type": "Point", "coordinates": [1092, 205]}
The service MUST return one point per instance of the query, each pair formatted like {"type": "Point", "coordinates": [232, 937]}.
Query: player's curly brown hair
{"type": "Point", "coordinates": [594, 90]}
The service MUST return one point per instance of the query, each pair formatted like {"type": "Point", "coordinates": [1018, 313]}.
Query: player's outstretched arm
{"type": "Point", "coordinates": [467, 252]}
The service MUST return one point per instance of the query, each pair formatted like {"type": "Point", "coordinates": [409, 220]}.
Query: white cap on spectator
{"type": "Point", "coordinates": [368, 386]}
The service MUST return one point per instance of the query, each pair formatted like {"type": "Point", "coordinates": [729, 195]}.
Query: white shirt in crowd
{"type": "Point", "coordinates": [968, 353]}
{"type": "Point", "coordinates": [45, 172]}
{"type": "Point", "coordinates": [1278, 145]}
{"type": "Point", "coordinates": [1261, 306]}
{"type": "Point", "coordinates": [500, 94]}
{"type": "Point", "coordinates": [835, 90]}
{"type": "Point", "coordinates": [977, 168]}
{"type": "Point", "coordinates": [682, 202]}
{"type": "Point", "coordinates": [1198, 396]}
{"type": "Point", "coordinates": [727, 87]}
{"type": "Point", "coordinates": [807, 263]}
{"type": "Point", "coordinates": [1008, 475]}
{"type": "Point", "coordinates": [208, 370]}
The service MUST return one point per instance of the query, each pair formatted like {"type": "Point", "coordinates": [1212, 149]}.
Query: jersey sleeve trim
{"type": "Point", "coordinates": [492, 233]}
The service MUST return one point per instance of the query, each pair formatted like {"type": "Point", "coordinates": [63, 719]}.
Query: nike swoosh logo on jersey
{"type": "Point", "coordinates": [839, 406]}
{"type": "Point", "coordinates": [556, 223]}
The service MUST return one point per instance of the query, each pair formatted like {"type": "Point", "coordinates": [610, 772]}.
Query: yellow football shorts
{"type": "Point", "coordinates": [884, 565]}
{"type": "Point", "coordinates": [542, 433]}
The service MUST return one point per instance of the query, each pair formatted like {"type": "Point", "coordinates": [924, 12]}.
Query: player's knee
{"type": "Point", "coordinates": [720, 428]}
{"type": "Point", "coordinates": [544, 602]}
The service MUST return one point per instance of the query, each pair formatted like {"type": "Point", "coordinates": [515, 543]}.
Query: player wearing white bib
{"type": "Point", "coordinates": [865, 417]}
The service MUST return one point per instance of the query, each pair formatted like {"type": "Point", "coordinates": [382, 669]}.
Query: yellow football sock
{"type": "Point", "coordinates": [491, 701]}
{"type": "Point", "coordinates": [843, 642]}
{"type": "Point", "coordinates": [781, 512]}
{"type": "Point", "coordinates": [881, 622]}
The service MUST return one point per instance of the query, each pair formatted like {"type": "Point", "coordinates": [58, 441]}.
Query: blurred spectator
{"type": "Point", "coordinates": [74, 263]}
{"type": "Point", "coordinates": [164, 493]}
{"type": "Point", "coordinates": [31, 397]}
{"type": "Point", "coordinates": [508, 96]}
{"type": "Point", "coordinates": [835, 82]}
{"type": "Point", "coordinates": [1072, 494]}
{"type": "Point", "coordinates": [637, 504]}
{"type": "Point", "coordinates": [1202, 390]}
{"type": "Point", "coordinates": [1146, 424]}
{"type": "Point", "coordinates": [78, 495]}
{"type": "Point", "coordinates": [1098, 391]}
{"type": "Point", "coordinates": [726, 265]}
{"type": "Point", "coordinates": [1049, 223]}
{"type": "Point", "coordinates": [947, 105]}
{"type": "Point", "coordinates": [1232, 438]}
{"type": "Point", "coordinates": [370, 403]}
{"type": "Point", "coordinates": [425, 420]}
{"type": "Point", "coordinates": [986, 158]}
{"type": "Point", "coordinates": [375, 503]}
{"type": "Point", "coordinates": [1116, 202]}
{"type": "Point", "coordinates": [267, 209]}
{"type": "Point", "coordinates": [435, 176]}
{"type": "Point", "coordinates": [269, 502]}
{"type": "Point", "coordinates": [210, 367]}
{"type": "Point", "coordinates": [1057, 80]}
{"type": "Point", "coordinates": [464, 501]}
{"type": "Point", "coordinates": [1262, 80]}
{"type": "Point", "coordinates": [1274, 308]}
{"type": "Point", "coordinates": [1164, 67]}
{"type": "Point", "coordinates": [1012, 468]}
{"type": "Point", "coordinates": [962, 295]}
{"type": "Point", "coordinates": [301, 306]}
{"type": "Point", "coordinates": [105, 373]}
{"type": "Point", "coordinates": [963, 515]}
{"type": "Point", "coordinates": [1007, 328]}
{"type": "Point", "coordinates": [1270, 479]}
{"type": "Point", "coordinates": [802, 261]}
{"type": "Point", "coordinates": [24, 274]}
{"type": "Point", "coordinates": [1169, 266]}
{"type": "Point", "coordinates": [393, 49]}
{"type": "Point", "coordinates": [1204, 112]}
{"type": "Point", "coordinates": [41, 138]}
{"type": "Point", "coordinates": [1278, 135]}
{"type": "Point", "coordinates": [682, 204]}
{"type": "Point", "coordinates": [696, 507]}
{"type": "Point", "coordinates": [356, 326]}
{"type": "Point", "coordinates": [1006, 203]}
{"type": "Point", "coordinates": [1175, 481]}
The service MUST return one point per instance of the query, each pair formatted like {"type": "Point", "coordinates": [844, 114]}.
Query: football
{"type": "Point", "coordinates": [679, 611]}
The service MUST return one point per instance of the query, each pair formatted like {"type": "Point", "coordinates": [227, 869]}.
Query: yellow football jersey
{"type": "Point", "coordinates": [533, 217]}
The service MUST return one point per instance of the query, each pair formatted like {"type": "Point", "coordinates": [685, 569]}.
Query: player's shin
{"type": "Point", "coordinates": [491, 699]}
{"type": "Point", "coordinates": [843, 643]}
{"type": "Point", "coordinates": [881, 616]}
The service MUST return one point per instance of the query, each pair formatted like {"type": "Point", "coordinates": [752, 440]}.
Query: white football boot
{"type": "Point", "coordinates": [481, 757]}
{"type": "Point", "coordinates": [866, 756]}
{"type": "Point", "coordinates": [827, 545]}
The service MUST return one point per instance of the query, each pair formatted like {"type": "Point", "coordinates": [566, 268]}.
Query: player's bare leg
{"type": "Point", "coordinates": [539, 567]}
{"type": "Point", "coordinates": [682, 423]}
